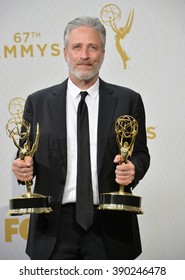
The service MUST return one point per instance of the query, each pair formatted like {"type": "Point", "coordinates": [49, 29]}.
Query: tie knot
{"type": "Point", "coordinates": [83, 95]}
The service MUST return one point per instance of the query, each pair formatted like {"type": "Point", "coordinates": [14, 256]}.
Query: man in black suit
{"type": "Point", "coordinates": [58, 235]}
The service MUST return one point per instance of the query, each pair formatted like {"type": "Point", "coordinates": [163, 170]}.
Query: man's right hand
{"type": "Point", "coordinates": [23, 169]}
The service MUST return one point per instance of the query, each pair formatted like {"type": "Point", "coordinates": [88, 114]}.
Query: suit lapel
{"type": "Point", "coordinates": [58, 108]}
{"type": "Point", "coordinates": [57, 105]}
{"type": "Point", "coordinates": [107, 103]}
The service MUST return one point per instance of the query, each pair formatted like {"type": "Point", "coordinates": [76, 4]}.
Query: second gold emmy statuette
{"type": "Point", "coordinates": [126, 129]}
{"type": "Point", "coordinates": [19, 131]}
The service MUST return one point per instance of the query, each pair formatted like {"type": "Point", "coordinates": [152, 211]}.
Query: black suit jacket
{"type": "Point", "coordinates": [48, 108]}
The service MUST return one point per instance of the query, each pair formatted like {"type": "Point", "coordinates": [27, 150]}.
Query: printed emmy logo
{"type": "Point", "coordinates": [109, 15]}
{"type": "Point", "coordinates": [16, 107]}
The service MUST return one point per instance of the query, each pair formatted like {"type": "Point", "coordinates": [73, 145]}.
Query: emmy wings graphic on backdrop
{"type": "Point", "coordinates": [109, 15]}
{"type": "Point", "coordinates": [16, 107]}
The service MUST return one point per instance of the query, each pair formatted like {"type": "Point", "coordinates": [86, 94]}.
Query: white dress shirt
{"type": "Point", "coordinates": [92, 101]}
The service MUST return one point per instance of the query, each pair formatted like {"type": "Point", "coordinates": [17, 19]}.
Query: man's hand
{"type": "Point", "coordinates": [125, 172]}
{"type": "Point", "coordinates": [23, 169]}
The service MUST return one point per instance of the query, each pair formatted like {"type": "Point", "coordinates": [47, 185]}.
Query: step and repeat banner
{"type": "Point", "coordinates": [145, 51]}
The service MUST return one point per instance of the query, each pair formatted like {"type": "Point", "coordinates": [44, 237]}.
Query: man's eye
{"type": "Point", "coordinates": [76, 47]}
{"type": "Point", "coordinates": [93, 47]}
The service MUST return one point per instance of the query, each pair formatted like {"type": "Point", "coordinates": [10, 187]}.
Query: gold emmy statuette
{"type": "Point", "coordinates": [126, 129]}
{"type": "Point", "coordinates": [19, 131]}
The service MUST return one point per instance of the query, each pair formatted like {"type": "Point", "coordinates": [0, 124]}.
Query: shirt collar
{"type": "Point", "coordinates": [74, 91]}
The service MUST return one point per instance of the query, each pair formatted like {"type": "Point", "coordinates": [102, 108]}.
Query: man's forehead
{"type": "Point", "coordinates": [84, 30]}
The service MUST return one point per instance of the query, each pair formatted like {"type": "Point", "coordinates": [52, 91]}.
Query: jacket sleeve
{"type": "Point", "coordinates": [140, 156]}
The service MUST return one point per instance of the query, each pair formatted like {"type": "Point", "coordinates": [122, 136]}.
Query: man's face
{"type": "Point", "coordinates": [84, 53]}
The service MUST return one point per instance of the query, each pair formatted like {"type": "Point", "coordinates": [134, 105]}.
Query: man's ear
{"type": "Point", "coordinates": [65, 53]}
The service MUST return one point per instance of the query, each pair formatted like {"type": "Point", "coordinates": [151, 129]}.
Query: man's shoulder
{"type": "Point", "coordinates": [54, 89]}
{"type": "Point", "coordinates": [117, 89]}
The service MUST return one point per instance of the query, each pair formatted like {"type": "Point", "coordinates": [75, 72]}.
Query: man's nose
{"type": "Point", "coordinates": [84, 53]}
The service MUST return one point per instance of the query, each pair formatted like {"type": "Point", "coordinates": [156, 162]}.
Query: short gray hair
{"type": "Point", "coordinates": [92, 22]}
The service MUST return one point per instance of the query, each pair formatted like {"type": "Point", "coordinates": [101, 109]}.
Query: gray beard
{"type": "Point", "coordinates": [84, 76]}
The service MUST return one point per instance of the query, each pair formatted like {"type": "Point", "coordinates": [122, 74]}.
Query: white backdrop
{"type": "Point", "coordinates": [31, 58]}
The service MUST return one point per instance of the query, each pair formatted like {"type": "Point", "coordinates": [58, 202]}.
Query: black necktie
{"type": "Point", "coordinates": [84, 202]}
